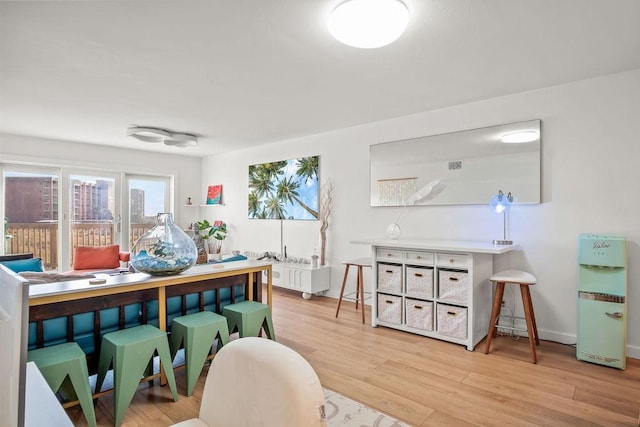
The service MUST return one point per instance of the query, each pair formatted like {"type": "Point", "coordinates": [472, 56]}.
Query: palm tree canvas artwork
{"type": "Point", "coordinates": [286, 189]}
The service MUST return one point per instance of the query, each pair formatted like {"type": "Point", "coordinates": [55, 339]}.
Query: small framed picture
{"type": "Point", "coordinates": [214, 195]}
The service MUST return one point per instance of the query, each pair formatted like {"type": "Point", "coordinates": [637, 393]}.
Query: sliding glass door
{"type": "Point", "coordinates": [148, 196]}
{"type": "Point", "coordinates": [94, 210]}
{"type": "Point", "coordinates": [50, 211]}
{"type": "Point", "coordinates": [32, 213]}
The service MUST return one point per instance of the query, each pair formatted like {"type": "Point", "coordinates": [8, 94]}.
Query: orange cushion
{"type": "Point", "coordinates": [92, 257]}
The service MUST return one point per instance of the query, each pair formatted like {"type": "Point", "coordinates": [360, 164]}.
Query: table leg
{"type": "Point", "coordinates": [269, 286]}
{"type": "Point", "coordinates": [162, 323]}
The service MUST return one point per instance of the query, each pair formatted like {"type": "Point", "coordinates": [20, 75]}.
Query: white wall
{"type": "Point", "coordinates": [590, 173]}
{"type": "Point", "coordinates": [31, 150]}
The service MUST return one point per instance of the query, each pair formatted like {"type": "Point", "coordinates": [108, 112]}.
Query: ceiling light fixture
{"type": "Point", "coordinates": [155, 135]}
{"type": "Point", "coordinates": [181, 140]}
{"type": "Point", "coordinates": [368, 23]}
{"type": "Point", "coordinates": [152, 135]}
{"type": "Point", "coordinates": [520, 136]}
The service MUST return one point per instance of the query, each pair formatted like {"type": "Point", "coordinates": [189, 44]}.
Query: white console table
{"type": "Point", "coordinates": [302, 277]}
{"type": "Point", "coordinates": [436, 288]}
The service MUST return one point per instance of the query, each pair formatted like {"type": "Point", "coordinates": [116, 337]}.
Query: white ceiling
{"type": "Point", "coordinates": [245, 72]}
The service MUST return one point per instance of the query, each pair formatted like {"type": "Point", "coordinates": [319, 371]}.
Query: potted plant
{"type": "Point", "coordinates": [213, 234]}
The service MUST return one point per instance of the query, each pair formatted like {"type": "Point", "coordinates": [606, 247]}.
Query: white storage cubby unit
{"type": "Point", "coordinates": [301, 277]}
{"type": "Point", "coordinates": [439, 289]}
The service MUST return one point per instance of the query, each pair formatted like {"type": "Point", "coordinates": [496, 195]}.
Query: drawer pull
{"type": "Point", "coordinates": [389, 271]}
{"type": "Point", "coordinates": [388, 301]}
{"type": "Point", "coordinates": [418, 257]}
{"type": "Point", "coordinates": [451, 313]}
{"type": "Point", "coordinates": [418, 307]}
{"type": "Point", "coordinates": [418, 274]}
{"type": "Point", "coordinates": [389, 254]}
{"type": "Point", "coordinates": [452, 260]}
{"type": "Point", "coordinates": [453, 279]}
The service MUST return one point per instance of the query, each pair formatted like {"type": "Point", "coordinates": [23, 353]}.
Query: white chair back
{"type": "Point", "coordinates": [259, 382]}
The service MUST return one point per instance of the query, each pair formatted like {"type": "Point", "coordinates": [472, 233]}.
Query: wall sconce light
{"type": "Point", "coordinates": [500, 205]}
{"type": "Point", "coordinates": [368, 24]}
{"type": "Point", "coordinates": [155, 135]}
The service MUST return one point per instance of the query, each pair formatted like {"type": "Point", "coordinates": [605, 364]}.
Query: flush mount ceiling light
{"type": "Point", "coordinates": [155, 135]}
{"type": "Point", "coordinates": [520, 136]}
{"type": "Point", "coordinates": [181, 140]}
{"type": "Point", "coordinates": [368, 23]}
{"type": "Point", "coordinates": [151, 135]}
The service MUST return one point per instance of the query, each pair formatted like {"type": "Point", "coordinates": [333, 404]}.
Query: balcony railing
{"type": "Point", "coordinates": [41, 239]}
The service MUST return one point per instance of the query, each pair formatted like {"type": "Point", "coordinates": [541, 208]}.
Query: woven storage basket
{"type": "Point", "coordinates": [419, 314]}
{"type": "Point", "coordinates": [453, 285]}
{"type": "Point", "coordinates": [419, 282]}
{"type": "Point", "coordinates": [452, 321]}
{"type": "Point", "coordinates": [390, 278]}
{"type": "Point", "coordinates": [390, 308]}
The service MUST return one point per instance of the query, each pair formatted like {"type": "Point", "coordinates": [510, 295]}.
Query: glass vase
{"type": "Point", "coordinates": [164, 250]}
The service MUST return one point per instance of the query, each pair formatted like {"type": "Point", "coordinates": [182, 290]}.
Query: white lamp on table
{"type": "Point", "coordinates": [500, 204]}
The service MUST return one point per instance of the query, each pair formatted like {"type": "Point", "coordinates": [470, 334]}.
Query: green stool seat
{"type": "Point", "coordinates": [197, 331]}
{"type": "Point", "coordinates": [62, 361]}
{"type": "Point", "coordinates": [249, 317]}
{"type": "Point", "coordinates": [130, 351]}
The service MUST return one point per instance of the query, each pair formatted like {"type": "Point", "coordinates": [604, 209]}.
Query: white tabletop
{"type": "Point", "coordinates": [56, 288]}
{"type": "Point", "coordinates": [440, 245]}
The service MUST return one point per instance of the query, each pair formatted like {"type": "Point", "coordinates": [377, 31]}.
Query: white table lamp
{"type": "Point", "coordinates": [500, 205]}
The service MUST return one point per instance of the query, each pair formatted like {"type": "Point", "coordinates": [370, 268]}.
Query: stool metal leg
{"type": "Point", "coordinates": [344, 282]}
{"type": "Point", "coordinates": [526, 302]}
{"type": "Point", "coordinates": [495, 313]}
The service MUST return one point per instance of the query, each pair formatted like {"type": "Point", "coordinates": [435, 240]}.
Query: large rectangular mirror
{"type": "Point", "coordinates": [459, 168]}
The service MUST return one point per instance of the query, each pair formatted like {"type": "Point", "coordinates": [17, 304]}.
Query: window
{"type": "Point", "coordinates": [32, 213]}
{"type": "Point", "coordinates": [50, 211]}
{"type": "Point", "coordinates": [93, 209]}
{"type": "Point", "coordinates": [148, 196]}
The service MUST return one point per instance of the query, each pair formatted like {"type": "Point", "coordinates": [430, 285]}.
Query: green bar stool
{"type": "Point", "coordinates": [130, 351]}
{"type": "Point", "coordinates": [248, 318]}
{"type": "Point", "coordinates": [62, 361]}
{"type": "Point", "coordinates": [197, 331]}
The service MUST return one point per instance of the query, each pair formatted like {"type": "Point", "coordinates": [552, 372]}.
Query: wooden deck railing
{"type": "Point", "coordinates": [41, 239]}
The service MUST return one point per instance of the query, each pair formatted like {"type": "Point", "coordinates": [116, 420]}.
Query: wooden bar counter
{"type": "Point", "coordinates": [67, 299]}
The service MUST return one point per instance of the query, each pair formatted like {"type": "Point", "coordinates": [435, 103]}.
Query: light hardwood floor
{"type": "Point", "coordinates": [422, 381]}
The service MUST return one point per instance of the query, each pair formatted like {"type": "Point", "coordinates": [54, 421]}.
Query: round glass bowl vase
{"type": "Point", "coordinates": [164, 250]}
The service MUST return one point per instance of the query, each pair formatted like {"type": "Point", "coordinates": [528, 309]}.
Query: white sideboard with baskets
{"type": "Point", "coordinates": [439, 289]}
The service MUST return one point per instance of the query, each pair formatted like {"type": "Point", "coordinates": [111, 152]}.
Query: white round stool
{"type": "Point", "coordinates": [525, 280]}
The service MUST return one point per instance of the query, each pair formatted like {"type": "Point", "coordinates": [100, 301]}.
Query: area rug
{"type": "Point", "coordinates": [342, 411]}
